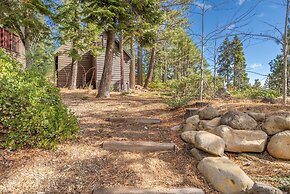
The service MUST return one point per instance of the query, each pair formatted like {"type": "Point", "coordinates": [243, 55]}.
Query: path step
{"type": "Point", "coordinates": [138, 146]}
{"type": "Point", "coordinates": [135, 120]}
{"type": "Point", "coordinates": [148, 191]}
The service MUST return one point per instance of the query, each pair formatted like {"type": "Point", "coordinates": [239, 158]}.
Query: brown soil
{"type": "Point", "coordinates": [77, 166]}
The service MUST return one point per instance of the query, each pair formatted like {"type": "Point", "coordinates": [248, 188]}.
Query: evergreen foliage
{"type": "Point", "coordinates": [232, 64]}
{"type": "Point", "coordinates": [31, 109]}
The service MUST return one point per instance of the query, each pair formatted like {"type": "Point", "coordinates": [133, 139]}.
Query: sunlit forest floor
{"type": "Point", "coordinates": [79, 165]}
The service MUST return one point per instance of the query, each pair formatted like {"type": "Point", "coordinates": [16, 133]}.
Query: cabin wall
{"type": "Point", "coordinates": [88, 72]}
{"type": "Point", "coordinates": [64, 65]}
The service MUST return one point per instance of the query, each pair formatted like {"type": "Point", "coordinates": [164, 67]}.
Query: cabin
{"type": "Point", "coordinates": [90, 68]}
{"type": "Point", "coordinates": [12, 44]}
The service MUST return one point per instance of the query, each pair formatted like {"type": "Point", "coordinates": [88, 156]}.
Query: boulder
{"type": "Point", "coordinates": [199, 154]}
{"type": "Point", "coordinates": [208, 113]}
{"type": "Point", "coordinates": [238, 120]}
{"type": "Point", "coordinates": [209, 143]}
{"type": "Point", "coordinates": [276, 124]}
{"type": "Point", "coordinates": [208, 125]}
{"type": "Point", "coordinates": [259, 117]}
{"type": "Point", "coordinates": [225, 175]}
{"type": "Point", "coordinates": [191, 123]}
{"type": "Point", "coordinates": [189, 136]}
{"type": "Point", "coordinates": [279, 145]}
{"type": "Point", "coordinates": [189, 112]}
{"type": "Point", "coordinates": [261, 188]}
{"type": "Point", "coordinates": [242, 140]}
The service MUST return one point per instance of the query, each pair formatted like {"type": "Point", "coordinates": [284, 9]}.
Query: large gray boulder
{"type": "Point", "coordinates": [261, 188]}
{"type": "Point", "coordinates": [279, 145]}
{"type": "Point", "coordinates": [276, 124]}
{"type": "Point", "coordinates": [210, 143]}
{"type": "Point", "coordinates": [208, 113]}
{"type": "Point", "coordinates": [191, 123]}
{"type": "Point", "coordinates": [259, 117]}
{"type": "Point", "coordinates": [225, 175]}
{"type": "Point", "coordinates": [242, 140]}
{"type": "Point", "coordinates": [189, 136]}
{"type": "Point", "coordinates": [208, 125]}
{"type": "Point", "coordinates": [238, 120]}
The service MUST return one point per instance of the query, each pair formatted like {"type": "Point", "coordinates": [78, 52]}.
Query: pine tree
{"type": "Point", "coordinates": [275, 78]}
{"type": "Point", "coordinates": [115, 16]}
{"type": "Point", "coordinates": [225, 61]}
{"type": "Point", "coordinates": [240, 77]}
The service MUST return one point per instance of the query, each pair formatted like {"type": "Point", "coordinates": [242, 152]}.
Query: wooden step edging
{"type": "Point", "coordinates": [138, 146]}
{"type": "Point", "coordinates": [135, 120]}
{"type": "Point", "coordinates": [147, 191]}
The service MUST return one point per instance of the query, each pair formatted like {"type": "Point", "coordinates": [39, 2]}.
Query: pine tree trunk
{"type": "Point", "coordinates": [74, 75]}
{"type": "Point", "coordinates": [140, 70]}
{"type": "Point", "coordinates": [151, 68]}
{"type": "Point", "coordinates": [105, 83]}
{"type": "Point", "coordinates": [132, 66]}
{"type": "Point", "coordinates": [26, 46]}
{"type": "Point", "coordinates": [122, 62]}
{"type": "Point", "coordinates": [165, 71]}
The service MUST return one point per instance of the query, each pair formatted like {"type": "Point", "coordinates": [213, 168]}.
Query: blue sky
{"type": "Point", "coordinates": [258, 52]}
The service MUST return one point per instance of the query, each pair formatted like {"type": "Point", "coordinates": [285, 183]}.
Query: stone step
{"type": "Point", "coordinates": [135, 120]}
{"type": "Point", "coordinates": [147, 191]}
{"type": "Point", "coordinates": [138, 146]}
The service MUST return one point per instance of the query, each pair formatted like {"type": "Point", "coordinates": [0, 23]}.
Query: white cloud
{"type": "Point", "coordinates": [201, 5]}
{"type": "Point", "coordinates": [256, 65]}
{"type": "Point", "coordinates": [241, 2]}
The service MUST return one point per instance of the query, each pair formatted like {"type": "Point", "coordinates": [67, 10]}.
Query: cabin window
{"type": "Point", "coordinates": [9, 40]}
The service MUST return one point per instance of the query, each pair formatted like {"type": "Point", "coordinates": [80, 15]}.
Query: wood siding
{"type": "Point", "coordinates": [87, 73]}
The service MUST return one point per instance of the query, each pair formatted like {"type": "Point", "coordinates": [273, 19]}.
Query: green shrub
{"type": "Point", "coordinates": [183, 90]}
{"type": "Point", "coordinates": [31, 109]}
{"type": "Point", "coordinates": [255, 93]}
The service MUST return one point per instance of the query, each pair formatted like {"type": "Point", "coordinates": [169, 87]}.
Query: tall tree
{"type": "Point", "coordinates": [132, 64]}
{"type": "Point", "coordinates": [240, 77]}
{"type": "Point", "coordinates": [112, 15]}
{"type": "Point", "coordinates": [225, 61]}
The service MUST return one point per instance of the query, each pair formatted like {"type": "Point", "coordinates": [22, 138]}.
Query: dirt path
{"type": "Point", "coordinates": [77, 166]}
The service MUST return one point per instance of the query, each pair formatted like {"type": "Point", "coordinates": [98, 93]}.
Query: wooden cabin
{"type": "Point", "coordinates": [12, 44]}
{"type": "Point", "coordinates": [90, 69]}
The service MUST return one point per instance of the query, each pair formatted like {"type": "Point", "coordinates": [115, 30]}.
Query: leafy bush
{"type": "Point", "coordinates": [31, 109]}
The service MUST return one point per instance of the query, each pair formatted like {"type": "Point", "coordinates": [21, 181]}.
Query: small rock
{"type": "Point", "coordinates": [189, 136]}
{"type": "Point", "coordinates": [279, 145]}
{"type": "Point", "coordinates": [199, 154]}
{"type": "Point", "coordinates": [189, 112]}
{"type": "Point", "coordinates": [210, 143]}
{"type": "Point", "coordinates": [276, 124]}
{"type": "Point", "coordinates": [238, 120]}
{"type": "Point", "coordinates": [208, 125]}
{"type": "Point", "coordinates": [242, 140]}
{"type": "Point", "coordinates": [176, 128]}
{"type": "Point", "coordinates": [225, 175]}
{"type": "Point", "coordinates": [191, 123]}
{"type": "Point", "coordinates": [259, 117]}
{"type": "Point", "coordinates": [208, 113]}
{"type": "Point", "coordinates": [261, 188]}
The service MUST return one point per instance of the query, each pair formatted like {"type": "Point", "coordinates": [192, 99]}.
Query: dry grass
{"type": "Point", "coordinates": [77, 166]}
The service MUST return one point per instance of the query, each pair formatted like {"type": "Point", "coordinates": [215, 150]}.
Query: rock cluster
{"type": "Point", "coordinates": [212, 134]}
